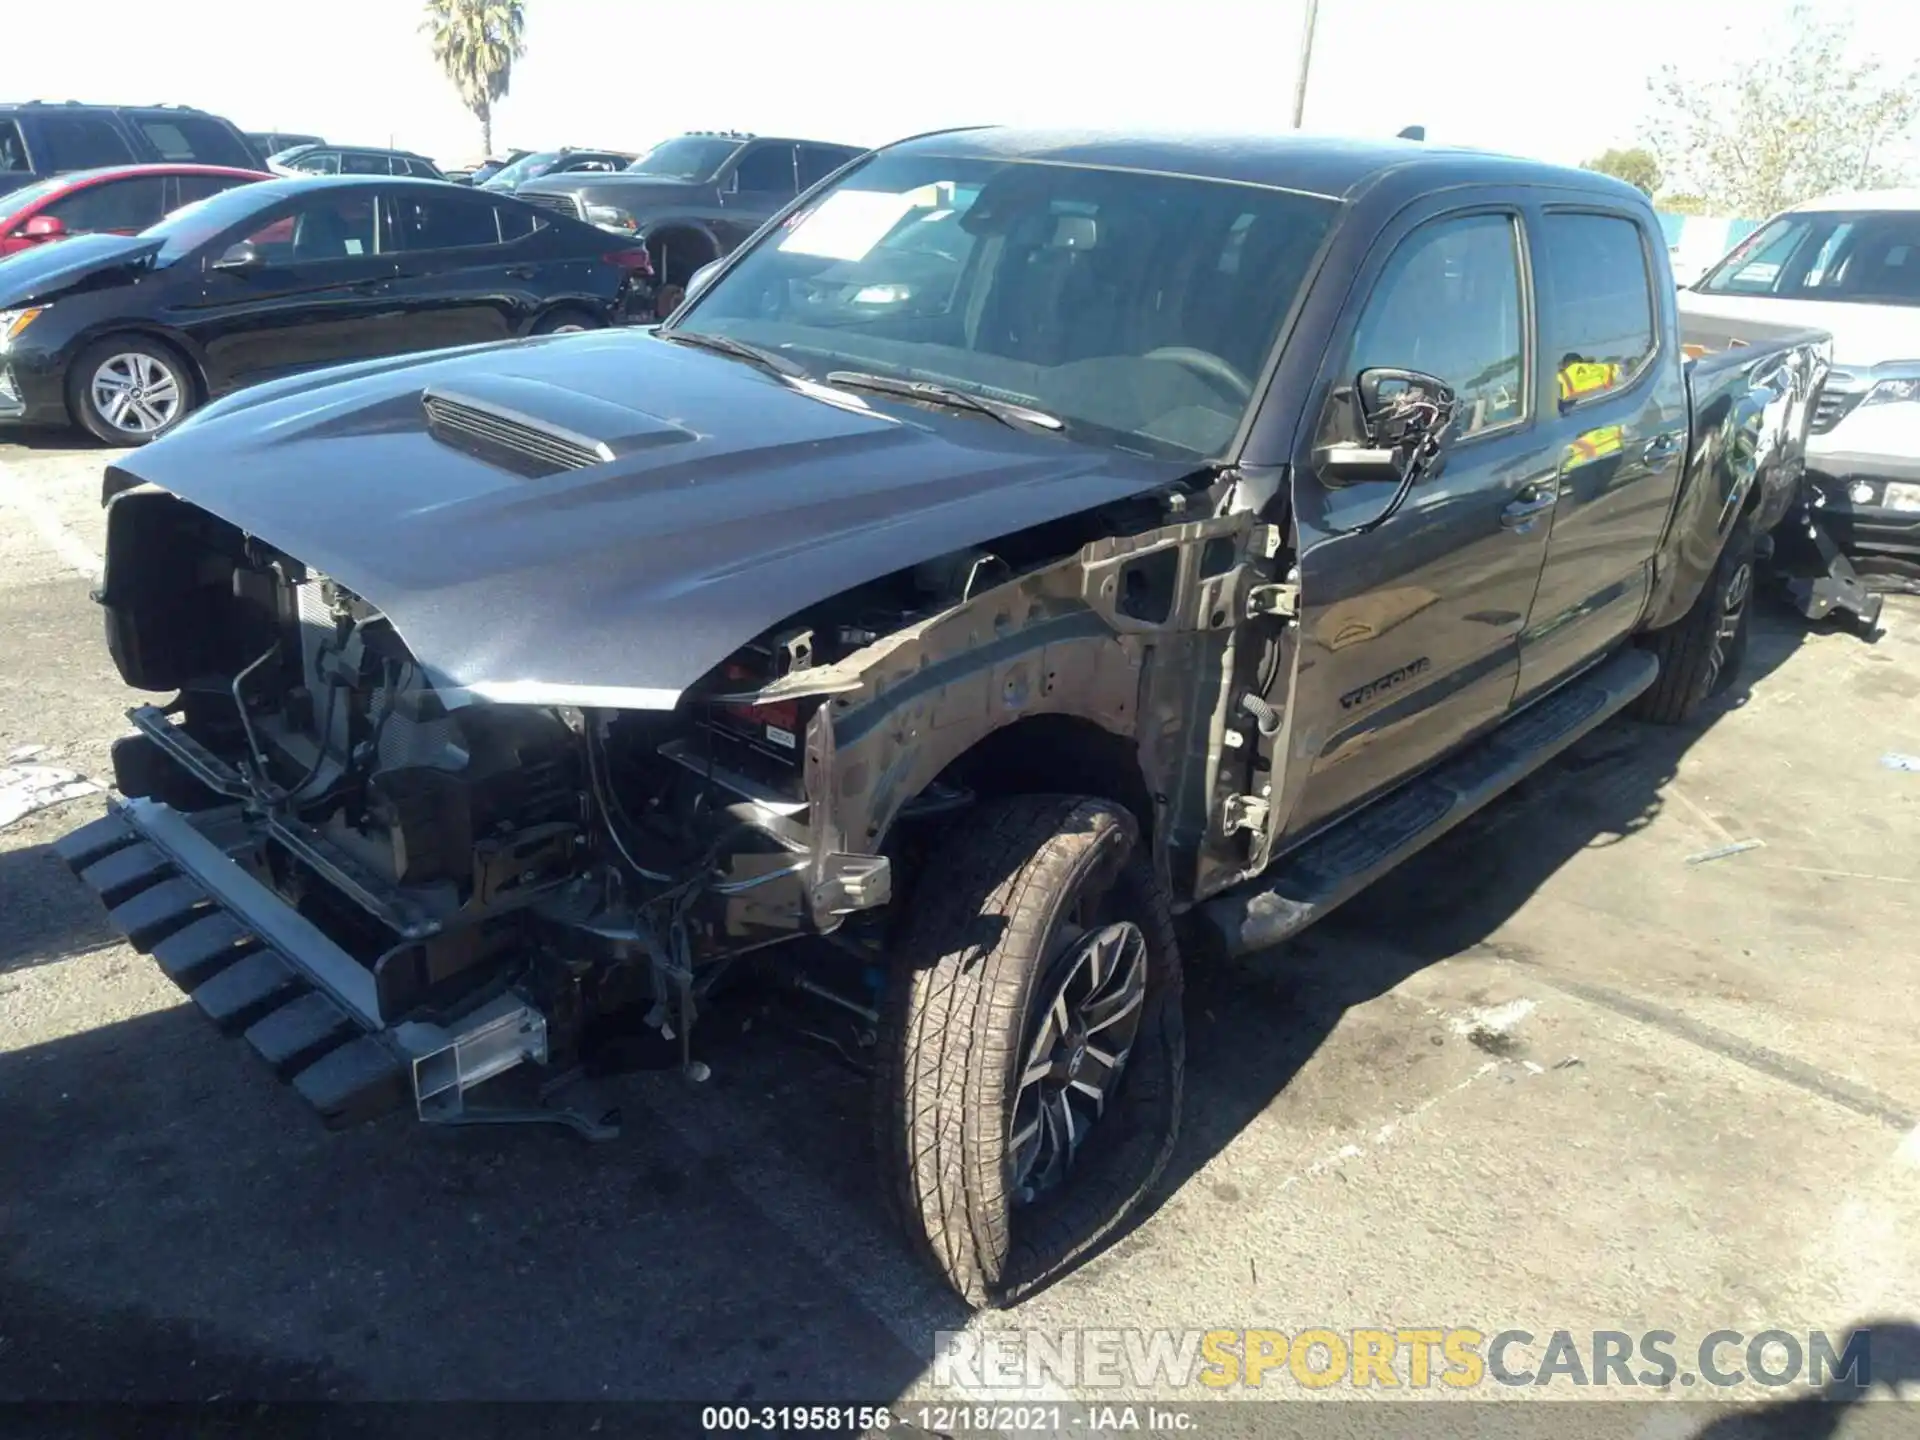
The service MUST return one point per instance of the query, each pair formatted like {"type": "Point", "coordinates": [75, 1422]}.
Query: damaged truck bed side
{"type": "Point", "coordinates": [1028, 544]}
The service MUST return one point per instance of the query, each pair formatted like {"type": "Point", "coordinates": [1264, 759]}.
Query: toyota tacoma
{"type": "Point", "coordinates": [1034, 557]}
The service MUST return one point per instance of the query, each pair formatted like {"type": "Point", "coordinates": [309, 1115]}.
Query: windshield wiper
{"type": "Point", "coordinates": [739, 349]}
{"type": "Point", "coordinates": [1018, 416]}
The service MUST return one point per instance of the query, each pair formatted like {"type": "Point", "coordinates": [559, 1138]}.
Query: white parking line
{"type": "Point", "coordinates": [73, 552]}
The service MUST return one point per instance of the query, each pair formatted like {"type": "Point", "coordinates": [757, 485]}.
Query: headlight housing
{"type": "Point", "coordinates": [14, 322]}
{"type": "Point", "coordinates": [1888, 392]}
{"type": "Point", "coordinates": [612, 217]}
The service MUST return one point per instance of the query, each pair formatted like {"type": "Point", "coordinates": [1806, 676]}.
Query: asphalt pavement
{"type": "Point", "coordinates": [1562, 1072]}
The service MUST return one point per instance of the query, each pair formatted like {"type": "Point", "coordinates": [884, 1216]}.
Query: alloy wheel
{"type": "Point", "coordinates": [1733, 610]}
{"type": "Point", "coordinates": [1075, 1052]}
{"type": "Point", "coordinates": [137, 393]}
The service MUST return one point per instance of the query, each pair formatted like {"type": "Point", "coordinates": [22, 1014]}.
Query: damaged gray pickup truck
{"type": "Point", "coordinates": [1029, 555]}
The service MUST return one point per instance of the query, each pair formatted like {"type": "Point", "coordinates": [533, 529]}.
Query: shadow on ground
{"type": "Point", "coordinates": [44, 916]}
{"type": "Point", "coordinates": [179, 1227]}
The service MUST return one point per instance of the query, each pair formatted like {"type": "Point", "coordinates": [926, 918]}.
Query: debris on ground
{"type": "Point", "coordinates": [27, 788]}
{"type": "Point", "coordinates": [1720, 852]}
{"type": "Point", "coordinates": [25, 752]}
{"type": "Point", "coordinates": [1491, 1028]}
{"type": "Point", "coordinates": [1894, 760]}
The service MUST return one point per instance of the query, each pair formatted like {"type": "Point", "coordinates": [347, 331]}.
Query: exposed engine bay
{"type": "Point", "coordinates": [588, 858]}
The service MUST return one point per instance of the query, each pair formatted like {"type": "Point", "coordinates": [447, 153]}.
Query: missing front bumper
{"type": "Point", "coordinates": [256, 967]}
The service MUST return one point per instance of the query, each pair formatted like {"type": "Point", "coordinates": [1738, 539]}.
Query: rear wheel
{"type": "Point", "coordinates": [1033, 1048]}
{"type": "Point", "coordinates": [1702, 653]}
{"type": "Point", "coordinates": [129, 390]}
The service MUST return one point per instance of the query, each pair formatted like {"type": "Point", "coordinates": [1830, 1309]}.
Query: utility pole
{"type": "Point", "coordinates": [1306, 61]}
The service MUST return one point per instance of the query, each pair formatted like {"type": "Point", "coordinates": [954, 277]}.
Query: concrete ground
{"type": "Point", "coordinates": [1552, 1076]}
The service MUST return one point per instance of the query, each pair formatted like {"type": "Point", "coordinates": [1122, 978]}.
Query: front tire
{"type": "Point", "coordinates": [1702, 653]}
{"type": "Point", "coordinates": [567, 322]}
{"type": "Point", "coordinates": [130, 390]}
{"type": "Point", "coordinates": [1033, 1051]}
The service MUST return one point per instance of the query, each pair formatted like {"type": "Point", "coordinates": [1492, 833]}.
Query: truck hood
{"type": "Point", "coordinates": [44, 271]}
{"type": "Point", "coordinates": [711, 500]}
{"type": "Point", "coordinates": [1863, 334]}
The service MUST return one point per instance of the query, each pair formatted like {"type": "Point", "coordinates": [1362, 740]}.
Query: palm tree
{"type": "Point", "coordinates": [476, 43]}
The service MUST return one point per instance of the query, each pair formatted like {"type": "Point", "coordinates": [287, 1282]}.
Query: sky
{"type": "Point", "coordinates": [1544, 78]}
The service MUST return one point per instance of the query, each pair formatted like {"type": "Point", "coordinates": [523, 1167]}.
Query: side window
{"type": "Point", "coordinates": [354, 164]}
{"type": "Point", "coordinates": [766, 169]}
{"type": "Point", "coordinates": [116, 205]}
{"type": "Point", "coordinates": [199, 187]}
{"type": "Point", "coordinates": [1597, 311]}
{"type": "Point", "coordinates": [320, 162]}
{"type": "Point", "coordinates": [1449, 304]}
{"type": "Point", "coordinates": [517, 222]}
{"type": "Point", "coordinates": [81, 142]}
{"type": "Point", "coordinates": [444, 222]}
{"type": "Point", "coordinates": [13, 150]}
{"type": "Point", "coordinates": [324, 227]}
{"type": "Point", "coordinates": [193, 137]}
{"type": "Point", "coordinates": [422, 170]}
{"type": "Point", "coordinates": [819, 161]}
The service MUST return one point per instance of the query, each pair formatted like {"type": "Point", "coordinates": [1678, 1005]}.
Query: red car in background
{"type": "Point", "coordinates": [122, 200]}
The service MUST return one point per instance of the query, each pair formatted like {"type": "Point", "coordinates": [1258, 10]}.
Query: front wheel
{"type": "Point", "coordinates": [1702, 653]}
{"type": "Point", "coordinates": [129, 390]}
{"type": "Point", "coordinates": [1033, 1048]}
{"type": "Point", "coordinates": [567, 322]}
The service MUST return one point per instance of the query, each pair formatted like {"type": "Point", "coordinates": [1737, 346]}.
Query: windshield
{"type": "Point", "coordinates": [688, 158]}
{"type": "Point", "coordinates": [1867, 256]}
{"type": "Point", "coordinates": [1140, 309]}
{"type": "Point", "coordinates": [192, 225]}
{"type": "Point", "coordinates": [527, 167]}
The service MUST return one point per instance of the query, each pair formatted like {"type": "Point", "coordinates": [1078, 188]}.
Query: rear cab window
{"type": "Point", "coordinates": [765, 170]}
{"type": "Point", "coordinates": [1597, 311]}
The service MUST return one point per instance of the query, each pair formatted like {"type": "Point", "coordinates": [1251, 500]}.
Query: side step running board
{"type": "Point", "coordinates": [1334, 866]}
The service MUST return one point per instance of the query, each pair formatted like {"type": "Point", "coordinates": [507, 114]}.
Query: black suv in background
{"type": "Point", "coordinates": [352, 160]}
{"type": "Point", "coordinates": [695, 197]}
{"type": "Point", "coordinates": [41, 138]}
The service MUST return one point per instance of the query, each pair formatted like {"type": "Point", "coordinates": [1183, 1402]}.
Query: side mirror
{"type": "Point", "coordinates": [1401, 418]}
{"type": "Point", "coordinates": [45, 227]}
{"type": "Point", "coordinates": [698, 280]}
{"type": "Point", "coordinates": [243, 256]}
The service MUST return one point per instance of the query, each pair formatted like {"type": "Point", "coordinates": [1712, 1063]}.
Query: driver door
{"type": "Point", "coordinates": [1410, 621]}
{"type": "Point", "coordinates": [321, 294]}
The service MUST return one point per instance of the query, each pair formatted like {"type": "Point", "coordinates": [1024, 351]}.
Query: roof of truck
{"type": "Point", "coordinates": [1315, 164]}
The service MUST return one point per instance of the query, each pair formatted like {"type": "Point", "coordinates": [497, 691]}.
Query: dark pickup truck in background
{"type": "Point", "coordinates": [1033, 556]}
{"type": "Point", "coordinates": [693, 198]}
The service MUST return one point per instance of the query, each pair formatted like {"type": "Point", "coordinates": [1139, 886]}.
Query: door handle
{"type": "Point", "coordinates": [1661, 447]}
{"type": "Point", "coordinates": [521, 272]}
{"type": "Point", "coordinates": [1532, 502]}
{"type": "Point", "coordinates": [373, 287]}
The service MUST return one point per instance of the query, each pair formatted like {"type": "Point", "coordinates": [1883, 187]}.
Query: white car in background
{"type": "Point", "coordinates": [1848, 264]}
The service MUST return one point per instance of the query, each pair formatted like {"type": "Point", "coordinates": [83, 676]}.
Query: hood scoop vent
{"type": "Point", "coordinates": [520, 443]}
{"type": "Point", "coordinates": [536, 428]}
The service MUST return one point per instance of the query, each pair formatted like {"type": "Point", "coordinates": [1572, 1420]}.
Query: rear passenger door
{"type": "Point", "coordinates": [762, 179]}
{"type": "Point", "coordinates": [1617, 408]}
{"type": "Point", "coordinates": [1411, 620]}
{"type": "Point", "coordinates": [458, 283]}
